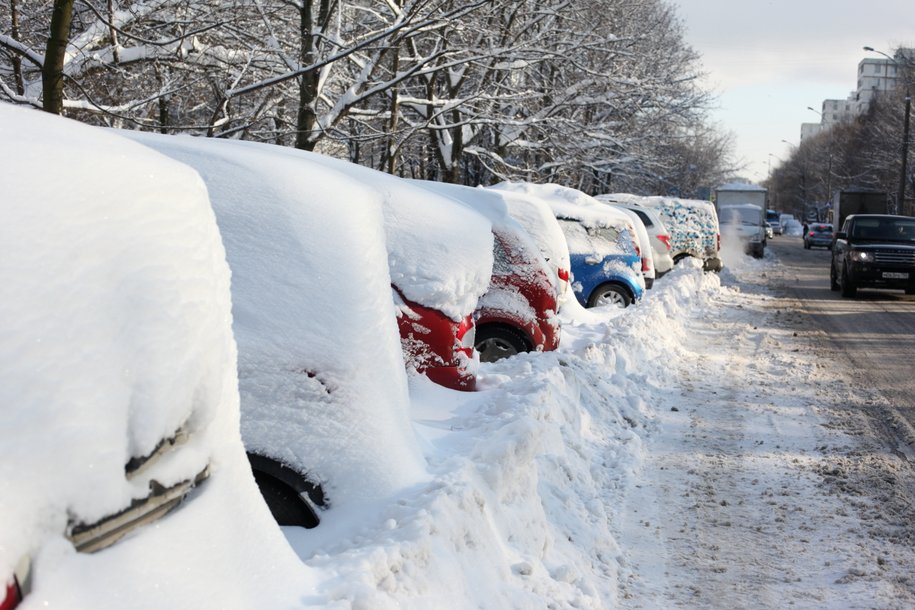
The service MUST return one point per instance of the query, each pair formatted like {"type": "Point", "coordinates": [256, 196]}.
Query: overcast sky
{"type": "Point", "coordinates": [770, 60]}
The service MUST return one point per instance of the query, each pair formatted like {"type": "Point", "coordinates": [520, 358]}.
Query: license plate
{"type": "Point", "coordinates": [892, 275]}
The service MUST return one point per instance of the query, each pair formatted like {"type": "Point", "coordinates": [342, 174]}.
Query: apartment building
{"type": "Point", "coordinates": [875, 76]}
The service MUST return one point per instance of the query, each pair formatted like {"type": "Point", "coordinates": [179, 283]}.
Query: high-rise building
{"type": "Point", "coordinates": [875, 76]}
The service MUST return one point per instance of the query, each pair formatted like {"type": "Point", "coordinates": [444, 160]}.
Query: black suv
{"type": "Point", "coordinates": [875, 251]}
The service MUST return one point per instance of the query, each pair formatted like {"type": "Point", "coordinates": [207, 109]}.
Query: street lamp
{"type": "Point", "coordinates": [900, 195]}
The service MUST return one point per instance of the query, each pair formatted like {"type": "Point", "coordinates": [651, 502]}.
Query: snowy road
{"type": "Point", "coordinates": [766, 484]}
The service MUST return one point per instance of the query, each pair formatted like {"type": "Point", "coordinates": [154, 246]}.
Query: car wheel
{"type": "Point", "coordinates": [680, 257]}
{"type": "Point", "coordinates": [496, 342]}
{"type": "Point", "coordinates": [285, 492]}
{"type": "Point", "coordinates": [833, 281]}
{"type": "Point", "coordinates": [848, 289]}
{"type": "Point", "coordinates": [610, 294]}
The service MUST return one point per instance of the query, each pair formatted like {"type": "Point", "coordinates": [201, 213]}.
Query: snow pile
{"type": "Point", "coordinates": [528, 473]}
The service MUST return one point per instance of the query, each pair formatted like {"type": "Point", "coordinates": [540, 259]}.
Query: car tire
{"type": "Point", "coordinates": [494, 342]}
{"type": "Point", "coordinates": [848, 289]}
{"type": "Point", "coordinates": [285, 492]}
{"type": "Point", "coordinates": [833, 281]}
{"type": "Point", "coordinates": [610, 294]}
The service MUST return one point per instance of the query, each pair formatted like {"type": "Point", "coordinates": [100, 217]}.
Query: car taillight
{"type": "Point", "coordinates": [18, 585]}
{"type": "Point", "coordinates": [810, 234]}
{"type": "Point", "coordinates": [563, 274]}
{"type": "Point", "coordinates": [12, 597]}
{"type": "Point", "coordinates": [665, 239]}
{"type": "Point", "coordinates": [645, 266]}
{"type": "Point", "coordinates": [466, 335]}
{"type": "Point", "coordinates": [718, 241]}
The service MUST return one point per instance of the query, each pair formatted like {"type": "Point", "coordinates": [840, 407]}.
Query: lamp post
{"type": "Point", "coordinates": [900, 195]}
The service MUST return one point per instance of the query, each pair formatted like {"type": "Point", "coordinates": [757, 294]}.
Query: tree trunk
{"type": "Point", "coordinates": [16, 60]}
{"type": "Point", "coordinates": [52, 72]}
{"type": "Point", "coordinates": [308, 82]}
{"type": "Point", "coordinates": [391, 152]}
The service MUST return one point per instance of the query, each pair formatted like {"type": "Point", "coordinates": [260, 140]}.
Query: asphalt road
{"type": "Point", "coordinates": [872, 336]}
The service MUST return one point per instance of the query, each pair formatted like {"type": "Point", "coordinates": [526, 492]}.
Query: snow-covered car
{"type": "Point", "coordinates": [644, 246]}
{"type": "Point", "coordinates": [537, 218]}
{"type": "Point", "coordinates": [658, 234]}
{"type": "Point", "coordinates": [693, 226]}
{"type": "Point", "coordinates": [440, 256]}
{"type": "Point", "coordinates": [603, 247]}
{"type": "Point", "coordinates": [518, 311]}
{"type": "Point", "coordinates": [320, 370]}
{"type": "Point", "coordinates": [117, 379]}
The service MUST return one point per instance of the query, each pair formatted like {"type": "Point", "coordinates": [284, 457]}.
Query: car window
{"type": "Point", "coordinates": [747, 216]}
{"type": "Point", "coordinates": [644, 218]}
{"type": "Point", "coordinates": [897, 229]}
{"type": "Point", "coordinates": [865, 228]}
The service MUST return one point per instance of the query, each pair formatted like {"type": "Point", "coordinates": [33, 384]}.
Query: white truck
{"type": "Point", "coordinates": [738, 193]}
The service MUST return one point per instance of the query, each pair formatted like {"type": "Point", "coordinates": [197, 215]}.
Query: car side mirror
{"type": "Point", "coordinates": [841, 235]}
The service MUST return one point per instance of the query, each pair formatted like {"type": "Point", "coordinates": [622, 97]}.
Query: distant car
{"type": "Point", "coordinates": [658, 234]}
{"type": "Point", "coordinates": [772, 217]}
{"type": "Point", "coordinates": [784, 220]}
{"type": "Point", "coordinates": [818, 235]}
{"type": "Point", "coordinates": [769, 232]}
{"type": "Point", "coordinates": [117, 358]}
{"type": "Point", "coordinates": [874, 251]}
{"type": "Point", "coordinates": [793, 227]}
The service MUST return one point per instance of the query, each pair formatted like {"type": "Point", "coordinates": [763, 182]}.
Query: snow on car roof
{"type": "Point", "coordinates": [439, 251]}
{"type": "Point", "coordinates": [321, 373]}
{"type": "Point", "coordinates": [529, 220]}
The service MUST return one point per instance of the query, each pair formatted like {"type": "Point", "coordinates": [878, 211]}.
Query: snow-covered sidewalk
{"type": "Point", "coordinates": [740, 501]}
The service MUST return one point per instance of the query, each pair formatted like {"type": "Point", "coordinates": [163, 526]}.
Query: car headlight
{"type": "Point", "coordinates": [862, 256]}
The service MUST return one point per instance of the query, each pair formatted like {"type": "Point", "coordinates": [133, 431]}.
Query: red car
{"type": "Point", "coordinates": [518, 312]}
{"type": "Point", "coordinates": [435, 345]}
